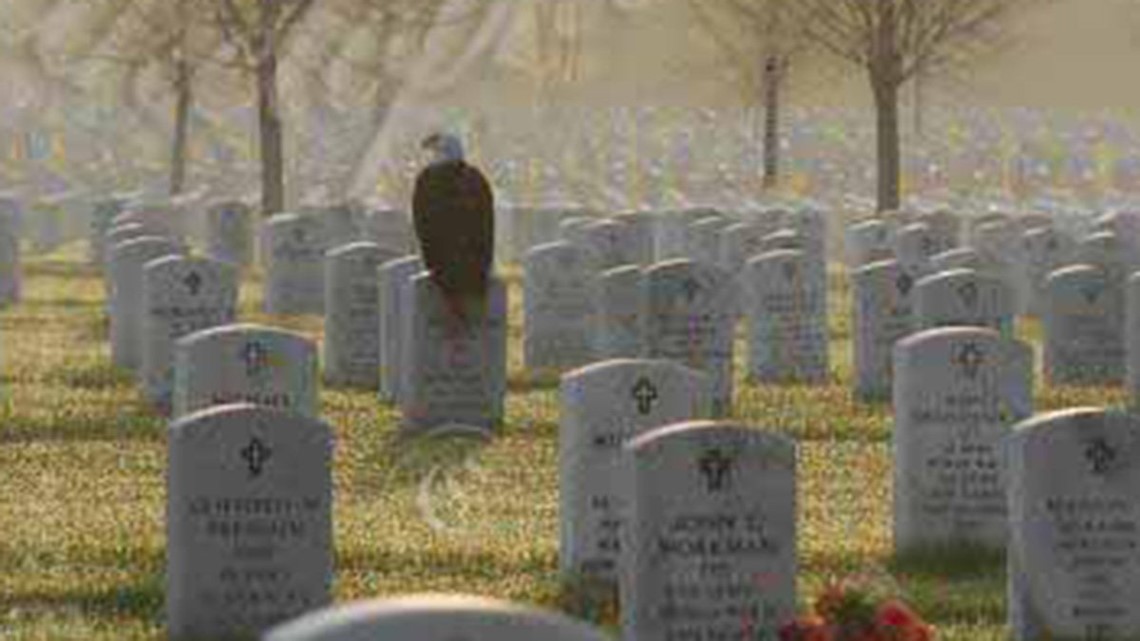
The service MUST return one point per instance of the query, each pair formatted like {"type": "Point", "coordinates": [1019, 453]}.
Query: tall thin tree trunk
{"type": "Point", "coordinates": [184, 99]}
{"type": "Point", "coordinates": [772, 81]}
{"type": "Point", "coordinates": [888, 147]}
{"type": "Point", "coordinates": [271, 139]}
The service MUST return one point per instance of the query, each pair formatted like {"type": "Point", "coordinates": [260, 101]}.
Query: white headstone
{"type": "Point", "coordinates": [620, 300]}
{"type": "Point", "coordinates": [452, 372]}
{"type": "Point", "coordinates": [434, 618]}
{"type": "Point", "coordinates": [558, 307]}
{"type": "Point", "coordinates": [867, 242]}
{"type": "Point", "coordinates": [956, 258]}
{"type": "Point", "coordinates": [914, 246]}
{"type": "Point", "coordinates": [603, 406]}
{"type": "Point", "coordinates": [691, 313]}
{"type": "Point", "coordinates": [395, 279]}
{"type": "Point", "coordinates": [249, 521]}
{"type": "Point", "coordinates": [180, 296]}
{"type": "Point", "coordinates": [709, 551]}
{"type": "Point", "coordinates": [1046, 250]}
{"type": "Point", "coordinates": [294, 281]}
{"type": "Point", "coordinates": [126, 306]}
{"type": "Point", "coordinates": [1084, 327]}
{"type": "Point", "coordinates": [1074, 514]}
{"type": "Point", "coordinates": [1132, 340]}
{"type": "Point", "coordinates": [882, 314]}
{"type": "Point", "coordinates": [229, 233]}
{"type": "Point", "coordinates": [787, 320]}
{"type": "Point", "coordinates": [963, 297]}
{"type": "Point", "coordinates": [245, 363]}
{"type": "Point", "coordinates": [352, 314]}
{"type": "Point", "coordinates": [957, 392]}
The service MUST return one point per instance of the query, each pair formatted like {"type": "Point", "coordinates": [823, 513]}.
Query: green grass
{"type": "Point", "coordinates": [82, 486]}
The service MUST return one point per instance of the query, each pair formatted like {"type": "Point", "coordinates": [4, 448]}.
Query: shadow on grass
{"type": "Point", "coordinates": [954, 585]}
{"type": "Point", "coordinates": [523, 382]}
{"type": "Point", "coordinates": [98, 375]}
{"type": "Point", "coordinates": [142, 600]}
{"type": "Point", "coordinates": [132, 423]}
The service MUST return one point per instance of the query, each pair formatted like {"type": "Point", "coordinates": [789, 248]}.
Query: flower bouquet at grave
{"type": "Point", "coordinates": [845, 612]}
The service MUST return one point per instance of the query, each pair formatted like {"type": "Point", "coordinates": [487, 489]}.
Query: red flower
{"type": "Point", "coordinates": [894, 613]}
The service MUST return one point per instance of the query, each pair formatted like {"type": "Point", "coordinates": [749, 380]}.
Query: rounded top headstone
{"type": "Point", "coordinates": [434, 618]}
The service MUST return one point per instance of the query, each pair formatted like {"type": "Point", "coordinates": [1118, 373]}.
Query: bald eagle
{"type": "Point", "coordinates": [453, 212]}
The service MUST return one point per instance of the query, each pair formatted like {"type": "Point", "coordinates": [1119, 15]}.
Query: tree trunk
{"type": "Point", "coordinates": [270, 135]}
{"type": "Point", "coordinates": [887, 144]}
{"type": "Point", "coordinates": [184, 98]}
{"type": "Point", "coordinates": [772, 81]}
{"type": "Point", "coordinates": [918, 106]}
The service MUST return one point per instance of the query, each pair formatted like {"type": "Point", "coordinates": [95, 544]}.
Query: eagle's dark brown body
{"type": "Point", "coordinates": [454, 216]}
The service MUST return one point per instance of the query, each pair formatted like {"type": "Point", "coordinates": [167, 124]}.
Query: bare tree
{"type": "Point", "coordinates": [893, 41]}
{"type": "Point", "coordinates": [171, 39]}
{"type": "Point", "coordinates": [758, 38]}
{"type": "Point", "coordinates": [258, 32]}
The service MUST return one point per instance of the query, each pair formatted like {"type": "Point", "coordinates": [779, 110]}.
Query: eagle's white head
{"type": "Point", "coordinates": [443, 147]}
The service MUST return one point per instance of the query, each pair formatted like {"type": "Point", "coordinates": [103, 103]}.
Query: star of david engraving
{"type": "Point", "coordinates": [193, 282]}
{"type": "Point", "coordinates": [968, 292]}
{"type": "Point", "coordinates": [716, 467]}
{"type": "Point", "coordinates": [255, 455]}
{"type": "Point", "coordinates": [256, 358]}
{"type": "Point", "coordinates": [1100, 455]}
{"type": "Point", "coordinates": [970, 357]}
{"type": "Point", "coordinates": [645, 393]}
{"type": "Point", "coordinates": [904, 283]}
{"type": "Point", "coordinates": [1091, 293]}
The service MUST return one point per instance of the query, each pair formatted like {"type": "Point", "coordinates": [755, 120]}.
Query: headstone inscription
{"type": "Point", "coordinates": [709, 551]}
{"type": "Point", "coordinates": [957, 392]}
{"type": "Point", "coordinates": [245, 363]}
{"type": "Point", "coordinates": [604, 405]}
{"type": "Point", "coordinates": [1074, 515]}
{"type": "Point", "coordinates": [249, 520]}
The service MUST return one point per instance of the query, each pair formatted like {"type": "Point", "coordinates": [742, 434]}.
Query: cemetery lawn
{"type": "Point", "coordinates": [82, 483]}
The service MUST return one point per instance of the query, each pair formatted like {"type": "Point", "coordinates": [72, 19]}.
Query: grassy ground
{"type": "Point", "coordinates": [82, 488]}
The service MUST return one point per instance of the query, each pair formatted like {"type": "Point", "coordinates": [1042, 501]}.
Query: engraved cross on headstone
{"type": "Point", "coordinates": [193, 282]}
{"type": "Point", "coordinates": [716, 467]}
{"type": "Point", "coordinates": [255, 455]}
{"type": "Point", "coordinates": [1100, 455]}
{"type": "Point", "coordinates": [644, 392]}
{"type": "Point", "coordinates": [970, 357]}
